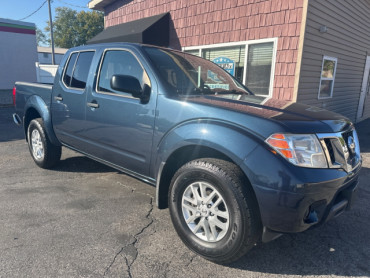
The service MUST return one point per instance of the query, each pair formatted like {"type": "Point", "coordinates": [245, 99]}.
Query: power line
{"type": "Point", "coordinates": [72, 5]}
{"type": "Point", "coordinates": [34, 11]}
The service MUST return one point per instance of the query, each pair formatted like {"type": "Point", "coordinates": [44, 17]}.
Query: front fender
{"type": "Point", "coordinates": [233, 141]}
{"type": "Point", "coordinates": [37, 103]}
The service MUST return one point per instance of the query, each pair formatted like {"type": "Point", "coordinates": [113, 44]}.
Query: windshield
{"type": "Point", "coordinates": [190, 75]}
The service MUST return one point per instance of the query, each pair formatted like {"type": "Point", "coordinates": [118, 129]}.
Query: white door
{"type": "Point", "coordinates": [364, 103]}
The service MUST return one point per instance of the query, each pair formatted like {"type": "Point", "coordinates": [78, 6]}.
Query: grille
{"type": "Point", "coordinates": [338, 153]}
{"type": "Point", "coordinates": [330, 150]}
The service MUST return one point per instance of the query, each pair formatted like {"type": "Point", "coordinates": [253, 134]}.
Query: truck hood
{"type": "Point", "coordinates": [290, 114]}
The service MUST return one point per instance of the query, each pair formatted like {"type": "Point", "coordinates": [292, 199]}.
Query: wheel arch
{"type": "Point", "coordinates": [179, 158]}
{"type": "Point", "coordinates": [37, 108]}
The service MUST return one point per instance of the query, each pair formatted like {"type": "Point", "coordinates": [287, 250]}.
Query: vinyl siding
{"type": "Point", "coordinates": [348, 40]}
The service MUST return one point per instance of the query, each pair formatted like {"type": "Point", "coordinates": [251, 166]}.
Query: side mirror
{"type": "Point", "coordinates": [130, 84]}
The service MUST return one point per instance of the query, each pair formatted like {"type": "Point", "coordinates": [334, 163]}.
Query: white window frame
{"type": "Point", "coordinates": [334, 59]}
{"type": "Point", "coordinates": [246, 44]}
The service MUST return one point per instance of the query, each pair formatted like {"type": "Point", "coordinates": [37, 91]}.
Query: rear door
{"type": "Point", "coordinates": [119, 128]}
{"type": "Point", "coordinates": [69, 99]}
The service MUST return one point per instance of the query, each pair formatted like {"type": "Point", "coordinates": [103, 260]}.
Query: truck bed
{"type": "Point", "coordinates": [27, 89]}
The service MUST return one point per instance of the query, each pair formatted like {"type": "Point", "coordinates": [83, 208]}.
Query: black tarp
{"type": "Point", "coordinates": [149, 30]}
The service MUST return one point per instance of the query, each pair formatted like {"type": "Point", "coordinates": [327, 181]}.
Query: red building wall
{"type": "Point", "coordinates": [203, 22]}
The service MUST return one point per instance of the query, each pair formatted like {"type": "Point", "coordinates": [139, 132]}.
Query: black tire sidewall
{"type": "Point", "coordinates": [234, 237]}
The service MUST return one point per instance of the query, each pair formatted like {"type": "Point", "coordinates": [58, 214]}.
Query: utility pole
{"type": "Point", "coordinates": [51, 35]}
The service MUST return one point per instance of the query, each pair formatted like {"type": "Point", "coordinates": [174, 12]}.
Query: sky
{"type": "Point", "coordinates": [18, 9]}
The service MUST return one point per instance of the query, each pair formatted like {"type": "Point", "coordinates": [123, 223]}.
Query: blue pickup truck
{"type": "Point", "coordinates": [233, 168]}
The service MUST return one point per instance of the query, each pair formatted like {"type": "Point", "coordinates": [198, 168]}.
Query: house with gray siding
{"type": "Point", "coordinates": [310, 51]}
{"type": "Point", "coordinates": [336, 57]}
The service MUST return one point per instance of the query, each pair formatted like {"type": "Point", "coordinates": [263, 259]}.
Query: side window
{"type": "Point", "coordinates": [76, 73]}
{"type": "Point", "coordinates": [81, 71]}
{"type": "Point", "coordinates": [68, 72]}
{"type": "Point", "coordinates": [120, 62]}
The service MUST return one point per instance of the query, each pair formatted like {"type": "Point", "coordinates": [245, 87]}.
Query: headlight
{"type": "Point", "coordinates": [300, 149]}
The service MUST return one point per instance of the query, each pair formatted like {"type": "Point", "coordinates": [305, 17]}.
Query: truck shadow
{"type": "Point", "coordinates": [339, 247]}
{"type": "Point", "coordinates": [82, 164]}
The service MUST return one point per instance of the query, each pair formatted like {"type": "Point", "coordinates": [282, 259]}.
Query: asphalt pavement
{"type": "Point", "coordinates": [84, 219]}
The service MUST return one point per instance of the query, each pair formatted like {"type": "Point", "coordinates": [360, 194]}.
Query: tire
{"type": "Point", "coordinates": [44, 153]}
{"type": "Point", "coordinates": [227, 224]}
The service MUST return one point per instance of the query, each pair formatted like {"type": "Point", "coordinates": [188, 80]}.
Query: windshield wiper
{"type": "Point", "coordinates": [201, 91]}
{"type": "Point", "coordinates": [231, 92]}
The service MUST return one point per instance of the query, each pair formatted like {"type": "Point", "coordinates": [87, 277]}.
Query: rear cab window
{"type": "Point", "coordinates": [77, 70]}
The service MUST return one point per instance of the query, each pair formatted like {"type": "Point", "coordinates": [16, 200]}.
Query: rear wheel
{"type": "Point", "coordinates": [213, 209]}
{"type": "Point", "coordinates": [44, 153]}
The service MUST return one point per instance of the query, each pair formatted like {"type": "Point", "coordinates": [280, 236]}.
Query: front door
{"type": "Point", "coordinates": [119, 128]}
{"type": "Point", "coordinates": [364, 104]}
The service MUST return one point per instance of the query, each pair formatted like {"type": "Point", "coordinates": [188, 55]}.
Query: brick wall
{"type": "Point", "coordinates": [203, 22]}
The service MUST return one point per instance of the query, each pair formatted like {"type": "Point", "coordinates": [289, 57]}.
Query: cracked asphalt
{"type": "Point", "coordinates": [84, 219]}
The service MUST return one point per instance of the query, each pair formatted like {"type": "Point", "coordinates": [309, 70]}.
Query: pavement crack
{"type": "Point", "coordinates": [133, 243]}
{"type": "Point", "coordinates": [128, 267]}
{"type": "Point", "coordinates": [191, 260]}
{"type": "Point", "coordinates": [114, 259]}
{"type": "Point", "coordinates": [136, 236]}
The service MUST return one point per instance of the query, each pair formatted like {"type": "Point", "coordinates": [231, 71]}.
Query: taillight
{"type": "Point", "coordinates": [14, 93]}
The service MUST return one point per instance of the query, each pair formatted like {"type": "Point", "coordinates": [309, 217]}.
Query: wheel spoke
{"type": "Point", "coordinates": [190, 200]}
{"type": "Point", "coordinates": [195, 193]}
{"type": "Point", "coordinates": [190, 208]}
{"type": "Point", "coordinates": [219, 224]}
{"type": "Point", "coordinates": [222, 214]}
{"type": "Point", "coordinates": [197, 227]}
{"type": "Point", "coordinates": [203, 191]}
{"type": "Point", "coordinates": [210, 197]}
{"type": "Point", "coordinates": [213, 229]}
{"type": "Point", "coordinates": [206, 229]}
{"type": "Point", "coordinates": [191, 218]}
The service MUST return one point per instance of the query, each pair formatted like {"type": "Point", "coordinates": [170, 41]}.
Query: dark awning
{"type": "Point", "coordinates": [149, 30]}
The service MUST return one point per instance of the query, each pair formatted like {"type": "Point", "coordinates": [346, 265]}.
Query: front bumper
{"type": "Point", "coordinates": [292, 199]}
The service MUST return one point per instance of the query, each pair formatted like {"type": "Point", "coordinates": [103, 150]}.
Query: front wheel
{"type": "Point", "coordinates": [44, 153]}
{"type": "Point", "coordinates": [213, 209]}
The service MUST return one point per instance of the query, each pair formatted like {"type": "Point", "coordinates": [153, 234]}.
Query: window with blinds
{"type": "Point", "coordinates": [259, 68]}
{"type": "Point", "coordinates": [256, 74]}
{"type": "Point", "coordinates": [234, 53]}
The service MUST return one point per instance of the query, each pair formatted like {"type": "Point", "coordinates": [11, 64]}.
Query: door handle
{"type": "Point", "coordinates": [93, 104]}
{"type": "Point", "coordinates": [58, 98]}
